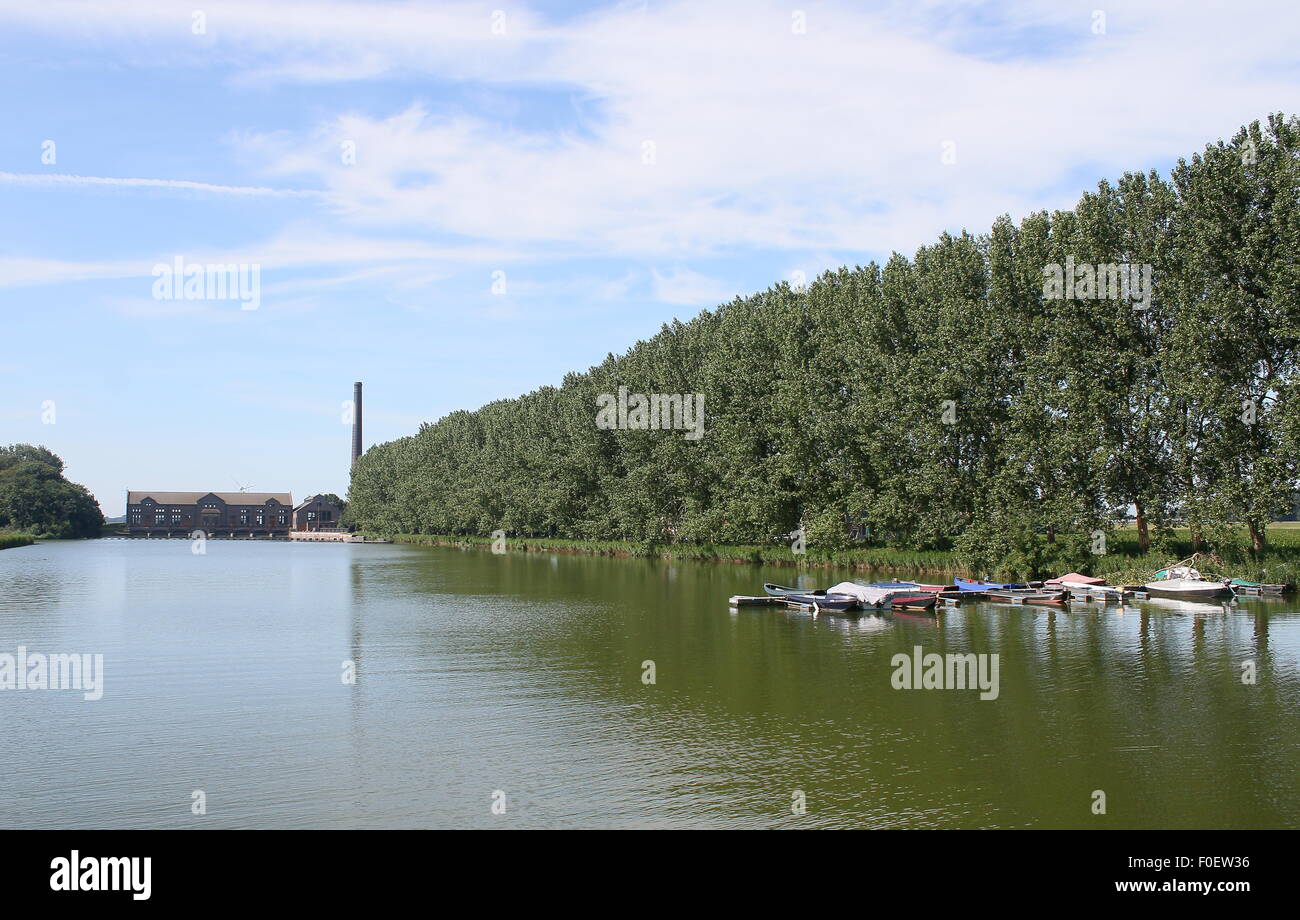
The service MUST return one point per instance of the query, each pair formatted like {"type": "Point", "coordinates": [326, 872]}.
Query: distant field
{"type": "Point", "coordinates": [1282, 531]}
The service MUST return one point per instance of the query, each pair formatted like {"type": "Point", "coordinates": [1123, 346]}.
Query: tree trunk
{"type": "Point", "coordinates": [1257, 537]}
{"type": "Point", "coordinates": [1144, 538]}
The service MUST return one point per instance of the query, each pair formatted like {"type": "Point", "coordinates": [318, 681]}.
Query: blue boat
{"type": "Point", "coordinates": [964, 585]}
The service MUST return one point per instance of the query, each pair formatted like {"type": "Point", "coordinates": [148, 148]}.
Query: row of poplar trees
{"type": "Point", "coordinates": [932, 401]}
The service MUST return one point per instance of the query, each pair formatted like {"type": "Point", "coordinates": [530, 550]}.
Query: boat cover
{"type": "Point", "coordinates": [869, 594]}
{"type": "Point", "coordinates": [1075, 578]}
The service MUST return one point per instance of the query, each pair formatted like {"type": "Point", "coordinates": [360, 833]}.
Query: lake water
{"type": "Point", "coordinates": [480, 675]}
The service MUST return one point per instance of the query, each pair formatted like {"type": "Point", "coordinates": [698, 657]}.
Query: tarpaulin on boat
{"type": "Point", "coordinates": [867, 594]}
{"type": "Point", "coordinates": [1075, 578]}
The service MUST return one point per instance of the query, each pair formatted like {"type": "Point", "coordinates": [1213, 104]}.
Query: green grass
{"type": "Point", "coordinates": [877, 558]}
{"type": "Point", "coordinates": [13, 540]}
{"type": "Point", "coordinates": [1122, 564]}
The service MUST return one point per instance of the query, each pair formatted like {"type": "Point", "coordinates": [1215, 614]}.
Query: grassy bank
{"type": "Point", "coordinates": [1124, 564]}
{"type": "Point", "coordinates": [877, 558]}
{"type": "Point", "coordinates": [12, 540]}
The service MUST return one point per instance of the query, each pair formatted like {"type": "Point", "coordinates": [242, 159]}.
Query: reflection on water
{"type": "Point", "coordinates": [523, 673]}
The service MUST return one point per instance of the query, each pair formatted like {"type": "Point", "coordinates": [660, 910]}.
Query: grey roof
{"type": "Point", "coordinates": [311, 498]}
{"type": "Point", "coordinates": [192, 498]}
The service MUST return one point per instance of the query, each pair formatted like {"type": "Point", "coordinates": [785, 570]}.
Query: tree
{"type": "Point", "coordinates": [36, 499]}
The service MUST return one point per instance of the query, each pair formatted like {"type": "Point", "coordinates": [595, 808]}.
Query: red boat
{"type": "Point", "coordinates": [920, 601]}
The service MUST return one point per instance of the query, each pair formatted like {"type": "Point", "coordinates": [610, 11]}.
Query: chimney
{"type": "Point", "coordinates": [357, 449]}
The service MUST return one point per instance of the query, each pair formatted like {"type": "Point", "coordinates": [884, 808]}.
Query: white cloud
{"type": "Point", "coordinates": [690, 288]}
{"type": "Point", "coordinates": [764, 140]}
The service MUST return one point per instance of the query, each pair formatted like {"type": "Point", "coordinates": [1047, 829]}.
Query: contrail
{"type": "Point", "coordinates": [67, 179]}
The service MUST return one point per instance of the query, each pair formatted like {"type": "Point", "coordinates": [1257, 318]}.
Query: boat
{"type": "Point", "coordinates": [871, 595]}
{"type": "Point", "coordinates": [1085, 587]}
{"type": "Point", "coordinates": [782, 590]}
{"type": "Point", "coordinates": [1028, 596]}
{"type": "Point", "coordinates": [1101, 593]}
{"type": "Point", "coordinates": [1242, 586]}
{"type": "Point", "coordinates": [823, 603]}
{"type": "Point", "coordinates": [743, 600]}
{"type": "Point", "coordinates": [965, 585]}
{"type": "Point", "coordinates": [1074, 578]}
{"type": "Point", "coordinates": [1185, 582]}
{"type": "Point", "coordinates": [920, 601]}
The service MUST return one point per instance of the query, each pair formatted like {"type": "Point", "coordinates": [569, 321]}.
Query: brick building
{"type": "Point", "coordinates": [234, 513]}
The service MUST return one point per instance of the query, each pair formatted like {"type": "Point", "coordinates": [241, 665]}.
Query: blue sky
{"type": "Point", "coordinates": [620, 164]}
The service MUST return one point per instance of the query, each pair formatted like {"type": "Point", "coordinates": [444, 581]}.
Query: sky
{"type": "Point", "coordinates": [461, 202]}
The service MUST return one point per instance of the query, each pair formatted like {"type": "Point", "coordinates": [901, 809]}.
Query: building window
{"type": "Point", "coordinates": [136, 518]}
{"type": "Point", "coordinates": [259, 518]}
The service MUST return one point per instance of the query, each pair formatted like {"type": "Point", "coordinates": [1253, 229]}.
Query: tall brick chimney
{"type": "Point", "coordinates": [357, 449]}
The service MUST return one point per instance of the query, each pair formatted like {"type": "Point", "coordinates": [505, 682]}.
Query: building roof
{"type": "Point", "coordinates": [192, 498]}
{"type": "Point", "coordinates": [311, 498]}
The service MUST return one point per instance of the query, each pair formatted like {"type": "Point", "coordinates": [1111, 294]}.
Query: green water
{"type": "Point", "coordinates": [481, 675]}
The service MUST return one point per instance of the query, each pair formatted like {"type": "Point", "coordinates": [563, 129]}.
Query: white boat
{"type": "Point", "coordinates": [1185, 582]}
{"type": "Point", "coordinates": [1096, 592]}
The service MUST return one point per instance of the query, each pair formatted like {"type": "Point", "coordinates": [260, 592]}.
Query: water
{"type": "Point", "coordinates": [523, 674]}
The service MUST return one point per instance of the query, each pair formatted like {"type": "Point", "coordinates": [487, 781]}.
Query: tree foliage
{"type": "Point", "coordinates": [35, 498]}
{"type": "Point", "coordinates": [934, 402]}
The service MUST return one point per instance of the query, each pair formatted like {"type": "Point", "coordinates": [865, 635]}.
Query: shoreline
{"type": "Point", "coordinates": [882, 559]}
{"type": "Point", "coordinates": [1119, 568]}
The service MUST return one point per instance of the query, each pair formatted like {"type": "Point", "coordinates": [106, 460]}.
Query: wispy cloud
{"type": "Point", "coordinates": [64, 179]}
{"type": "Point", "coordinates": [296, 248]}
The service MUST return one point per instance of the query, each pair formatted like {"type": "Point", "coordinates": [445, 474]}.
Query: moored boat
{"type": "Point", "coordinates": [1186, 583]}
{"type": "Point", "coordinates": [919, 601]}
{"type": "Point", "coordinates": [744, 600]}
{"type": "Point", "coordinates": [1242, 586]}
{"type": "Point", "coordinates": [871, 595]}
{"type": "Point", "coordinates": [1028, 596]}
{"type": "Point", "coordinates": [1074, 579]}
{"type": "Point", "coordinates": [826, 602]}
{"type": "Point", "coordinates": [782, 590]}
